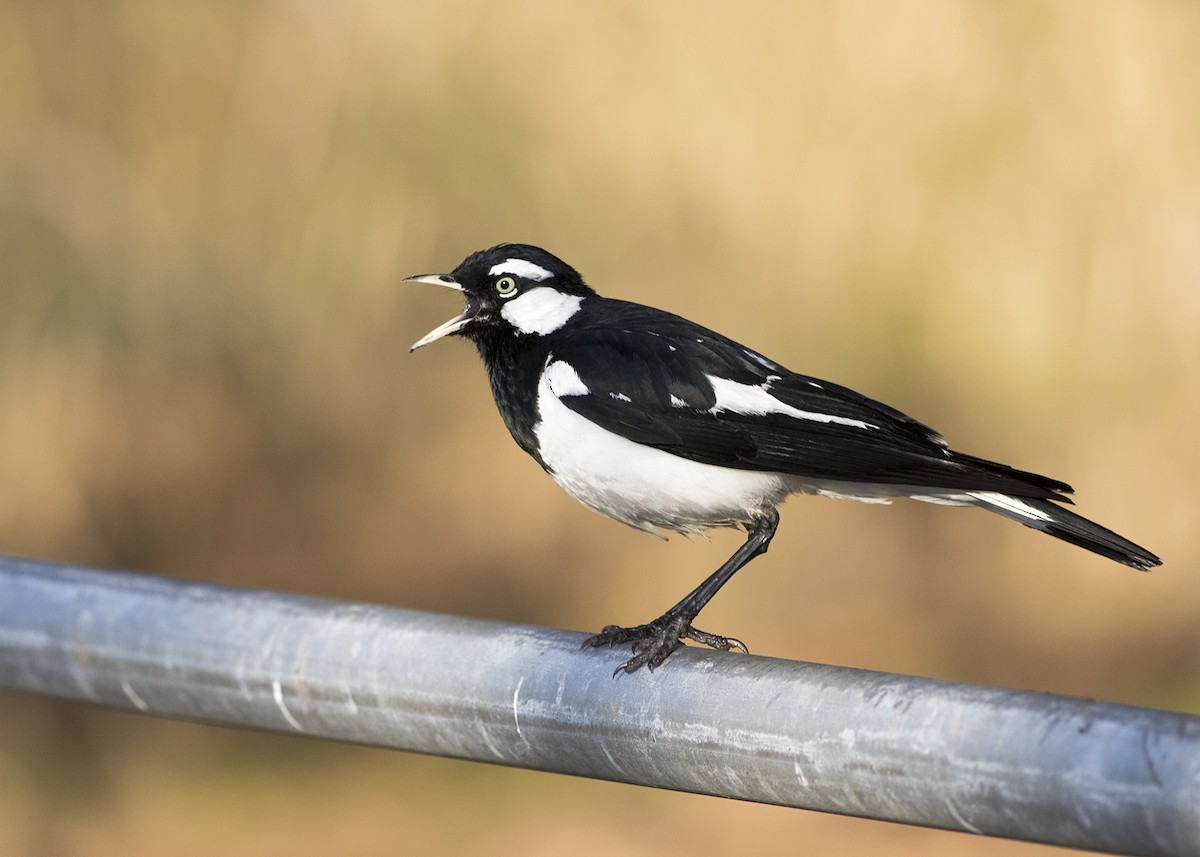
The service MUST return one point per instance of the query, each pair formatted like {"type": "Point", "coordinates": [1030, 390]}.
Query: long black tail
{"type": "Point", "coordinates": [1061, 523]}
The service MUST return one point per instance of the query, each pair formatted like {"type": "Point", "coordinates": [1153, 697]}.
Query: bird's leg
{"type": "Point", "coordinates": [654, 641]}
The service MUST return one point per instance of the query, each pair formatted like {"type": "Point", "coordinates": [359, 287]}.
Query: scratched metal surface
{"type": "Point", "coordinates": [1020, 765]}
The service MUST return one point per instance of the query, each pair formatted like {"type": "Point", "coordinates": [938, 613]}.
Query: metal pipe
{"type": "Point", "coordinates": [1004, 763]}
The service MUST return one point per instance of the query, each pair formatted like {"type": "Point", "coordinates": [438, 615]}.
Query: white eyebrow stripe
{"type": "Point", "coordinates": [521, 268]}
{"type": "Point", "coordinates": [563, 380]}
{"type": "Point", "coordinates": [756, 400]}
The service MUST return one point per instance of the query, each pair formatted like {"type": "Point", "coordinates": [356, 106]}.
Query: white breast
{"type": "Point", "coordinates": [639, 485]}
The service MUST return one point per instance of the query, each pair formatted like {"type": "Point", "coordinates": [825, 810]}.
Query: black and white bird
{"type": "Point", "coordinates": [660, 423]}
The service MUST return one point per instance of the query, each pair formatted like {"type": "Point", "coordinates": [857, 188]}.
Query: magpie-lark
{"type": "Point", "coordinates": [660, 423]}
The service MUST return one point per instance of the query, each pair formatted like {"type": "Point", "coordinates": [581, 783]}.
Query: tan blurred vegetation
{"type": "Point", "coordinates": [985, 214]}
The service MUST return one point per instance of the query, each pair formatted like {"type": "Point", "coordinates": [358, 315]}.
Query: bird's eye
{"type": "Point", "coordinates": [506, 287]}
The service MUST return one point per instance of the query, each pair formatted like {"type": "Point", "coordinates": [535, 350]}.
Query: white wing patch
{"type": "Point", "coordinates": [542, 310]}
{"type": "Point", "coordinates": [563, 380]}
{"type": "Point", "coordinates": [520, 268]}
{"type": "Point", "coordinates": [1011, 504]}
{"type": "Point", "coordinates": [757, 400]}
{"type": "Point", "coordinates": [639, 485]}
{"type": "Point", "coordinates": [944, 499]}
{"type": "Point", "coordinates": [760, 360]}
{"type": "Point", "coordinates": [834, 494]}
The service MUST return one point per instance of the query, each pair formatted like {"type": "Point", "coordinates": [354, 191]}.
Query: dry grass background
{"type": "Point", "coordinates": [986, 214]}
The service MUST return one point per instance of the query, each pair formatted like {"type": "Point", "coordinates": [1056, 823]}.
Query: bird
{"type": "Point", "coordinates": [662, 424]}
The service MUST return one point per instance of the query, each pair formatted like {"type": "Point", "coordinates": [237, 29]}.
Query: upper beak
{"type": "Point", "coordinates": [458, 322]}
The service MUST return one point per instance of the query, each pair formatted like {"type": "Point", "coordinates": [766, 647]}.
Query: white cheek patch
{"type": "Point", "coordinates": [520, 268]}
{"type": "Point", "coordinates": [756, 400]}
{"type": "Point", "coordinates": [563, 380]}
{"type": "Point", "coordinates": [542, 310]}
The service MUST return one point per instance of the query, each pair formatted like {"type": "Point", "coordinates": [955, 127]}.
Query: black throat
{"type": "Point", "coordinates": [514, 365]}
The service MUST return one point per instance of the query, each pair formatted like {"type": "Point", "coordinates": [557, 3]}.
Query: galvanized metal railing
{"type": "Point", "coordinates": [1004, 763]}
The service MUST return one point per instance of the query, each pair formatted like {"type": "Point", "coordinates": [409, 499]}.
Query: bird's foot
{"type": "Point", "coordinates": [654, 642]}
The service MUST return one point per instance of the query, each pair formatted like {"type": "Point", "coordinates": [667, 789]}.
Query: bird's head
{"type": "Point", "coordinates": [514, 289]}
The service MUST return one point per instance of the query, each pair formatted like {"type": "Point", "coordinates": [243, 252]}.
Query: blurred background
{"type": "Point", "coordinates": [986, 215]}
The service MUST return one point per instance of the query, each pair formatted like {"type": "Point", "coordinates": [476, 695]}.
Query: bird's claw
{"type": "Point", "coordinates": [654, 642]}
{"type": "Point", "coordinates": [716, 641]}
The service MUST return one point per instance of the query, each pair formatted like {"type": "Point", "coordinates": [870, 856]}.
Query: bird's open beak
{"type": "Point", "coordinates": [453, 325]}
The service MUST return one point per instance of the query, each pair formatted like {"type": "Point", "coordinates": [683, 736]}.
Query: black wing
{"type": "Point", "coordinates": [653, 384]}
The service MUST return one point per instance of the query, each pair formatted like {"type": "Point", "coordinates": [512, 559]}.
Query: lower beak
{"type": "Point", "coordinates": [453, 325]}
